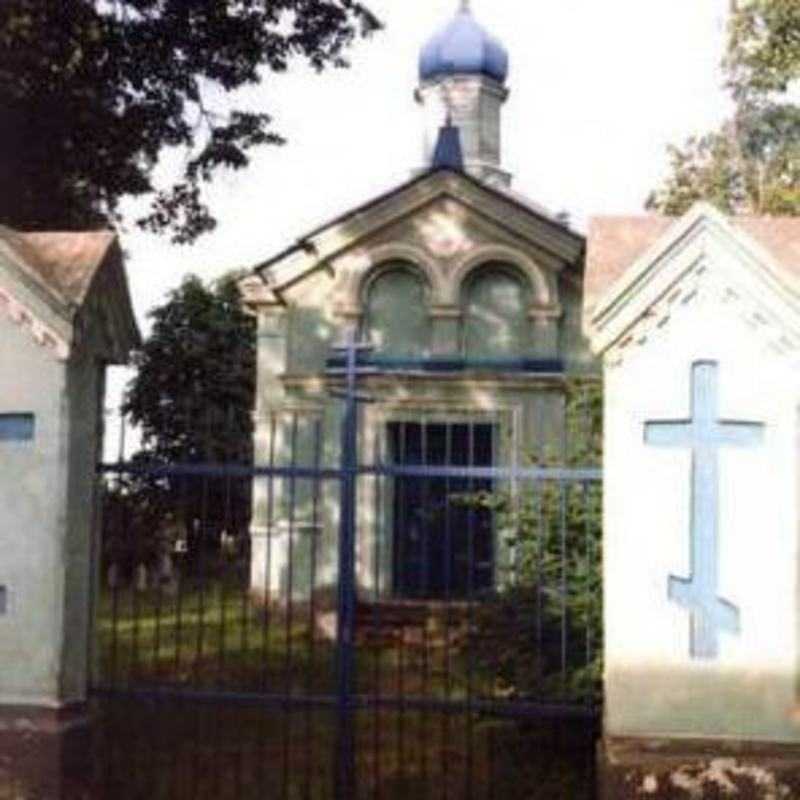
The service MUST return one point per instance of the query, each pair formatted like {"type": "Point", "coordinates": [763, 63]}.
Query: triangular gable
{"type": "Point", "coordinates": [46, 280]}
{"type": "Point", "coordinates": [107, 298]}
{"type": "Point", "coordinates": [321, 246]}
{"type": "Point", "coordinates": [764, 259]}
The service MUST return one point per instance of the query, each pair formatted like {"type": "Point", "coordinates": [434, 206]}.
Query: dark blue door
{"type": "Point", "coordinates": [443, 542]}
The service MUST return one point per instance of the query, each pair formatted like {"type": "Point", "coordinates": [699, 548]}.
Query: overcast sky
{"type": "Point", "coordinates": [598, 90]}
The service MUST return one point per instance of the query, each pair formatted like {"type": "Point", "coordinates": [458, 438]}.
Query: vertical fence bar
{"type": "Point", "coordinates": [376, 620]}
{"type": "Point", "coordinates": [448, 600]}
{"type": "Point", "coordinates": [471, 643]}
{"type": "Point", "coordinates": [312, 609]}
{"type": "Point", "coordinates": [289, 613]}
{"type": "Point", "coordinates": [266, 610]}
{"type": "Point", "coordinates": [345, 774]}
{"type": "Point", "coordinates": [402, 588]}
{"type": "Point", "coordinates": [424, 718]}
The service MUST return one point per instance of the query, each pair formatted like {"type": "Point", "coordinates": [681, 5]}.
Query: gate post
{"type": "Point", "coordinates": [700, 340]}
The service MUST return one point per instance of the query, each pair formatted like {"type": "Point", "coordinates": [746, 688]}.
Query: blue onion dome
{"type": "Point", "coordinates": [463, 47]}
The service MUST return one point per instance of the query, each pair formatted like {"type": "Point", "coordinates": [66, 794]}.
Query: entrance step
{"type": "Point", "coordinates": [414, 625]}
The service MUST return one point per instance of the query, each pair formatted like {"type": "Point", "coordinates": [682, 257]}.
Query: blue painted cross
{"type": "Point", "coordinates": [706, 435]}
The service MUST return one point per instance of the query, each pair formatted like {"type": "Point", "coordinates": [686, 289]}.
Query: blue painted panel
{"type": "Point", "coordinates": [17, 427]}
{"type": "Point", "coordinates": [448, 364]}
{"type": "Point", "coordinates": [706, 435]}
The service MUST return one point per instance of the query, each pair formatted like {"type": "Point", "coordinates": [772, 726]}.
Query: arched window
{"type": "Point", "coordinates": [396, 318]}
{"type": "Point", "coordinates": [496, 324]}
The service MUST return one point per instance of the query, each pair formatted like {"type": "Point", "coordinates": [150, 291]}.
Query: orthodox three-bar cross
{"type": "Point", "coordinates": [705, 434]}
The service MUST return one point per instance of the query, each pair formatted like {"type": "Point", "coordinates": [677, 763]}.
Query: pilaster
{"type": "Point", "coordinates": [446, 323]}
{"type": "Point", "coordinates": [545, 332]}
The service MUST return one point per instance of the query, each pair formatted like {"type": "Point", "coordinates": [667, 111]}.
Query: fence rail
{"type": "Point", "coordinates": [432, 598]}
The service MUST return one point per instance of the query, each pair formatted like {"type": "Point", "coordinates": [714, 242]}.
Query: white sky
{"type": "Point", "coordinates": [598, 89]}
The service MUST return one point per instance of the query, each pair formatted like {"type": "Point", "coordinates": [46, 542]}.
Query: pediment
{"type": "Point", "coordinates": [29, 306]}
{"type": "Point", "coordinates": [58, 286]}
{"type": "Point", "coordinates": [704, 255]}
{"type": "Point", "coordinates": [441, 215]}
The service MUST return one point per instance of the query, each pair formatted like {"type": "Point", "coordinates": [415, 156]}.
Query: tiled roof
{"type": "Point", "coordinates": [615, 243]}
{"type": "Point", "coordinates": [62, 263]}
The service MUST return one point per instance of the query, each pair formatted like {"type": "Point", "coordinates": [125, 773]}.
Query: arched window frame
{"type": "Point", "coordinates": [478, 272]}
{"type": "Point", "coordinates": [381, 270]}
{"type": "Point", "coordinates": [542, 281]}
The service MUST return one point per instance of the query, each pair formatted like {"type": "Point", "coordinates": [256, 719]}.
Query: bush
{"type": "Point", "coordinates": [541, 630]}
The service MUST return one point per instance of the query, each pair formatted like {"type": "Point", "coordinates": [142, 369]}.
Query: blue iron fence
{"type": "Point", "coordinates": [427, 624]}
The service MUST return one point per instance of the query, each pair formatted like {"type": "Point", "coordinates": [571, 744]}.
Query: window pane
{"type": "Point", "coordinates": [16, 427]}
{"type": "Point", "coordinates": [397, 319]}
{"type": "Point", "coordinates": [497, 324]}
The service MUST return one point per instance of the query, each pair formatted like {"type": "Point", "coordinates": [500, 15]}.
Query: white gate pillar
{"type": "Point", "coordinates": [700, 340]}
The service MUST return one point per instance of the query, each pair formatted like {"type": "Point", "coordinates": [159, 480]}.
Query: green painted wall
{"type": "Point", "coordinates": [295, 522]}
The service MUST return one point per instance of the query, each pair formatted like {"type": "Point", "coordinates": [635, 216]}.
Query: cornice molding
{"type": "Point", "coordinates": [701, 250]}
{"type": "Point", "coordinates": [42, 334]}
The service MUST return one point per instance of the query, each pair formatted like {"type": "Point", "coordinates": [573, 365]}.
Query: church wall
{"type": "Point", "coordinates": [310, 329]}
{"type": "Point", "coordinates": [447, 245]}
{"type": "Point", "coordinates": [573, 347]}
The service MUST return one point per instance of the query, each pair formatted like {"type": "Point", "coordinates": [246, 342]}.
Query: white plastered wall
{"type": "Point", "coordinates": [654, 687]}
{"type": "Point", "coordinates": [32, 521]}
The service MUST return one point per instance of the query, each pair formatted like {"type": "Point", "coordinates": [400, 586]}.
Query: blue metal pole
{"type": "Point", "coordinates": [345, 635]}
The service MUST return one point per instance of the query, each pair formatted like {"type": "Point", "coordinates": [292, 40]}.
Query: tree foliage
{"type": "Point", "coordinates": [543, 628]}
{"type": "Point", "coordinates": [194, 387]}
{"type": "Point", "coordinates": [764, 46]}
{"type": "Point", "coordinates": [192, 400]}
{"type": "Point", "coordinates": [92, 92]}
{"type": "Point", "coordinates": [751, 165]}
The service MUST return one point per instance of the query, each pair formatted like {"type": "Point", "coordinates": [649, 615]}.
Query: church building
{"type": "Point", "coordinates": [470, 296]}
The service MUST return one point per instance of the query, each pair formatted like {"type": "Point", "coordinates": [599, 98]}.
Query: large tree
{"type": "Point", "coordinates": [764, 46]}
{"type": "Point", "coordinates": [92, 92]}
{"type": "Point", "coordinates": [192, 395]}
{"type": "Point", "coordinates": [192, 399]}
{"type": "Point", "coordinates": [751, 165]}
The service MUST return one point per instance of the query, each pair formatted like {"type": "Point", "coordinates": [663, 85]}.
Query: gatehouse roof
{"type": "Point", "coordinates": [52, 277]}
{"type": "Point", "coordinates": [616, 243]}
{"type": "Point", "coordinates": [641, 271]}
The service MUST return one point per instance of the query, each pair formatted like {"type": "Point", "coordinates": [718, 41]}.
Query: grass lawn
{"type": "Point", "coordinates": [217, 639]}
{"type": "Point", "coordinates": [209, 638]}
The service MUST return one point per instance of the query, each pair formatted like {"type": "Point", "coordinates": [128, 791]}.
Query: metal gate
{"type": "Point", "coordinates": [465, 668]}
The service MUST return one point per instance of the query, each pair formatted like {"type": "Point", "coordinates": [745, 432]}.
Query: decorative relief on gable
{"type": "Point", "coordinates": [445, 234]}
{"type": "Point", "coordinates": [702, 285]}
{"type": "Point", "coordinates": [43, 335]}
